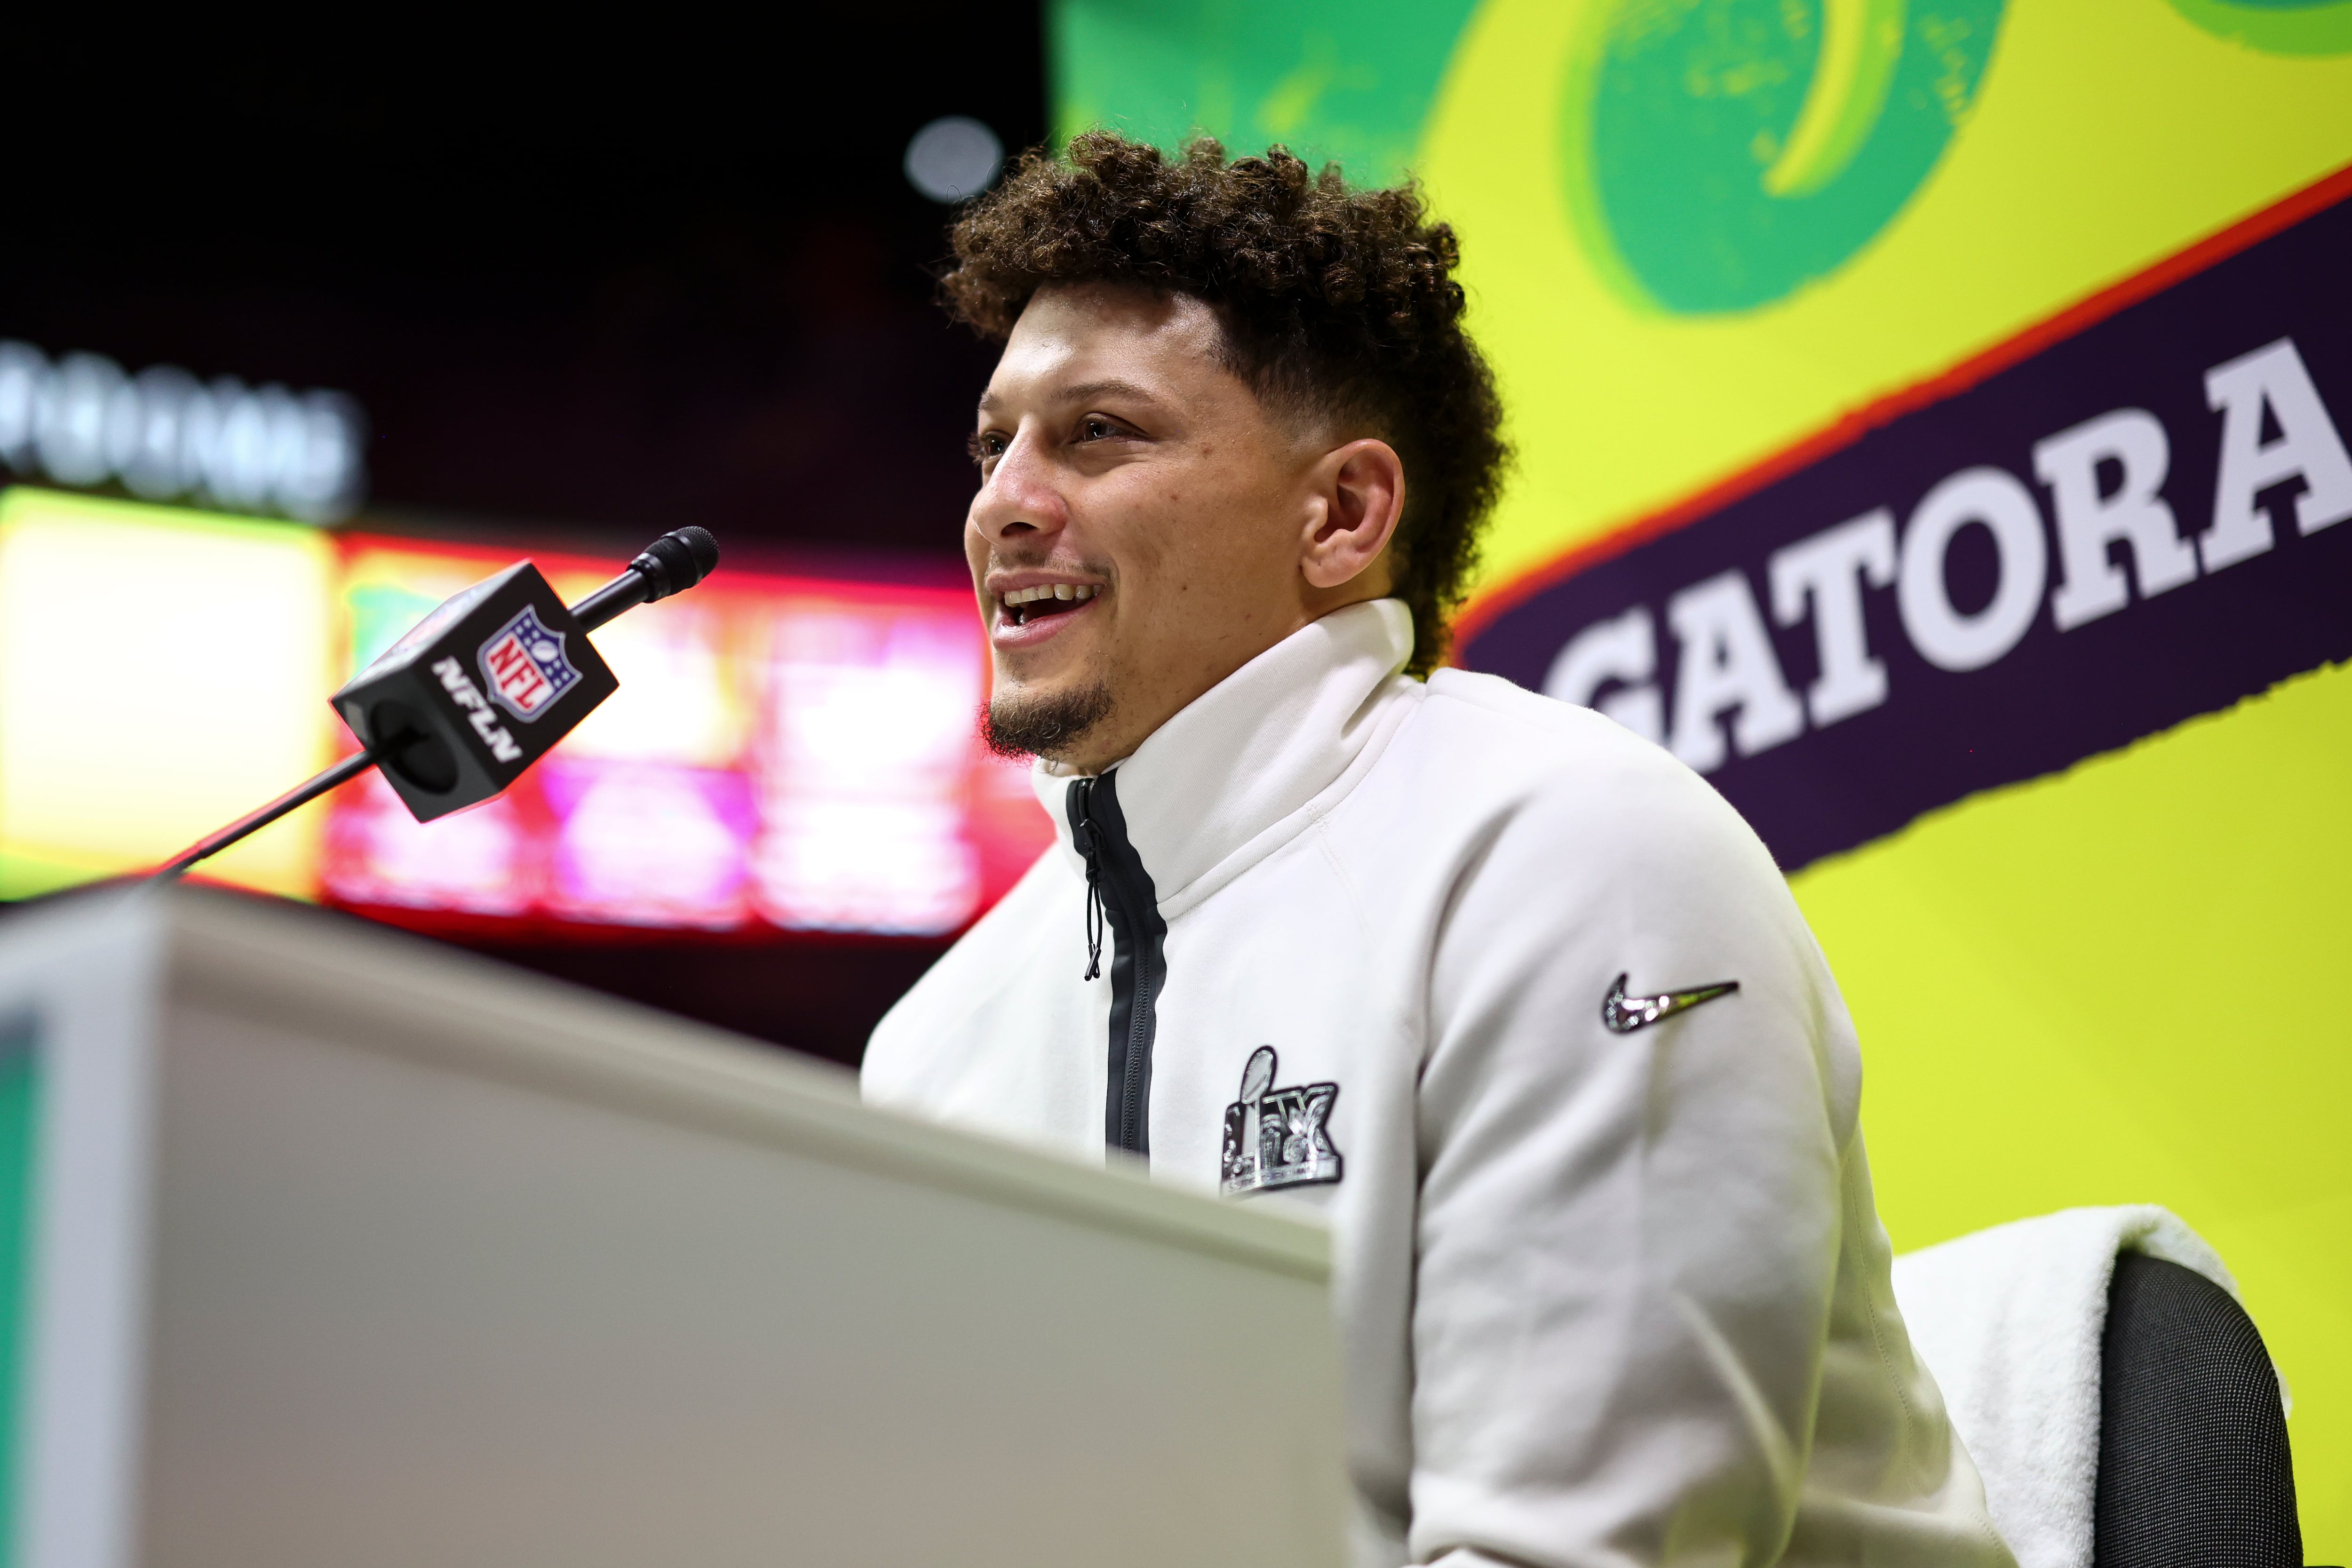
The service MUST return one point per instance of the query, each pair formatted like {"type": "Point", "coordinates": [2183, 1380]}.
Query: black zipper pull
{"type": "Point", "coordinates": [1082, 833]}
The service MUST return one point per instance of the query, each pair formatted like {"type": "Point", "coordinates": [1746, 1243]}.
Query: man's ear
{"type": "Point", "coordinates": [1357, 497]}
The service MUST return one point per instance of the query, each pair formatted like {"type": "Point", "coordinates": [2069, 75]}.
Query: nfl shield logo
{"type": "Point", "coordinates": [524, 667]}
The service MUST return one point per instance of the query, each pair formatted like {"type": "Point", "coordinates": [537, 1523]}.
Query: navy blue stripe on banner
{"type": "Point", "coordinates": [2145, 522]}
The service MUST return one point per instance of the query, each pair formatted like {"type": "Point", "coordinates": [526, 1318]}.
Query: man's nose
{"type": "Point", "coordinates": [1019, 499]}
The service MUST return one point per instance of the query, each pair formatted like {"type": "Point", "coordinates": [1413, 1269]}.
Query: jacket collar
{"type": "Point", "coordinates": [1247, 764]}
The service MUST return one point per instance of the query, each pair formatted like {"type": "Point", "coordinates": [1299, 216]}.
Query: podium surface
{"type": "Point", "coordinates": [332, 1246]}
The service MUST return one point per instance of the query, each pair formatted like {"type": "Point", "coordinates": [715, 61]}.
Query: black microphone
{"type": "Point", "coordinates": [480, 689]}
{"type": "Point", "coordinates": [670, 564]}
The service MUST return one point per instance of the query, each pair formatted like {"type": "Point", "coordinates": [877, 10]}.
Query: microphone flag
{"type": "Point", "coordinates": [476, 692]}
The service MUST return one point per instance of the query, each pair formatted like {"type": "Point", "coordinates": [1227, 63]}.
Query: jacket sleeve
{"type": "Point", "coordinates": [1627, 1241]}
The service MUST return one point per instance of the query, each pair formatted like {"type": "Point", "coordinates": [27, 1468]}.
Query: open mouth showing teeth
{"type": "Point", "coordinates": [1023, 606]}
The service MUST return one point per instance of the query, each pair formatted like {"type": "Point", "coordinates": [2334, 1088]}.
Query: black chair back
{"type": "Point", "coordinates": [2193, 1464]}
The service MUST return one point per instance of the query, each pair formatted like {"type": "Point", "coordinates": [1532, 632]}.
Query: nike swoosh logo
{"type": "Point", "coordinates": [1623, 1015]}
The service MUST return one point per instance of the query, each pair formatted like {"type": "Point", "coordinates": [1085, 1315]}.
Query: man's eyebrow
{"type": "Point", "coordinates": [1083, 392]}
{"type": "Point", "coordinates": [1088, 390]}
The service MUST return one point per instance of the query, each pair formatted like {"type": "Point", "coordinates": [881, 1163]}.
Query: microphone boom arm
{"type": "Point", "coordinates": [301, 794]}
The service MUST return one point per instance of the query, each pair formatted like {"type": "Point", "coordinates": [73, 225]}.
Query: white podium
{"type": "Point", "coordinates": [326, 1247]}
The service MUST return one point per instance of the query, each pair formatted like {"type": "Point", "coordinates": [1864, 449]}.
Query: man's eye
{"type": "Point", "coordinates": [1096, 429]}
{"type": "Point", "coordinates": [986, 447]}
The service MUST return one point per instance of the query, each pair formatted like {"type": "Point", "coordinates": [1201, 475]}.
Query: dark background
{"type": "Point", "coordinates": [604, 280]}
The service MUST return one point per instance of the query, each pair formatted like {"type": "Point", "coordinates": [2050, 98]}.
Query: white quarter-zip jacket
{"type": "Point", "coordinates": [1609, 1283]}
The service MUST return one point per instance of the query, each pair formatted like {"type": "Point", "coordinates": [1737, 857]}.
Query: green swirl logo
{"type": "Point", "coordinates": [2276, 27]}
{"type": "Point", "coordinates": [1722, 153]}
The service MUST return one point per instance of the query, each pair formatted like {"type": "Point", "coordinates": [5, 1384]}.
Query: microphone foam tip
{"type": "Point", "coordinates": [701, 547]}
{"type": "Point", "coordinates": [677, 560]}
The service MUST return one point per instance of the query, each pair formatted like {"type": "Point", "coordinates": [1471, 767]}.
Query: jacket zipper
{"type": "Point", "coordinates": [1119, 894]}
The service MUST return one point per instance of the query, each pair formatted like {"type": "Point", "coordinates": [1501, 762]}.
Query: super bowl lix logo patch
{"type": "Point", "coordinates": [524, 665]}
{"type": "Point", "coordinates": [1277, 1137]}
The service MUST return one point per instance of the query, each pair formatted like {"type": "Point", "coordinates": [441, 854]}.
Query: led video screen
{"type": "Point", "coordinates": [786, 752]}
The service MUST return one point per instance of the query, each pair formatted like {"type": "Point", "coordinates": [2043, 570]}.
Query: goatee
{"type": "Point", "coordinates": [1043, 724]}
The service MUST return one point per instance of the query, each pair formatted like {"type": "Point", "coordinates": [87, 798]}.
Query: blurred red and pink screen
{"type": "Point", "coordinates": [786, 752]}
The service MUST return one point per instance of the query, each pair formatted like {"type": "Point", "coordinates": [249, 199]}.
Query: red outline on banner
{"type": "Point", "coordinates": [1850, 428]}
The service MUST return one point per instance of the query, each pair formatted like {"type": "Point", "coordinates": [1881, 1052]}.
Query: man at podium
{"type": "Point", "coordinates": [1505, 992]}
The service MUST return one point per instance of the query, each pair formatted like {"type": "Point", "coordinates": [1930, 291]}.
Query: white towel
{"type": "Point", "coordinates": [2009, 1321]}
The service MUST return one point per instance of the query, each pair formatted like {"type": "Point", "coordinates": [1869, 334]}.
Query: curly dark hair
{"type": "Point", "coordinates": [1334, 303]}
